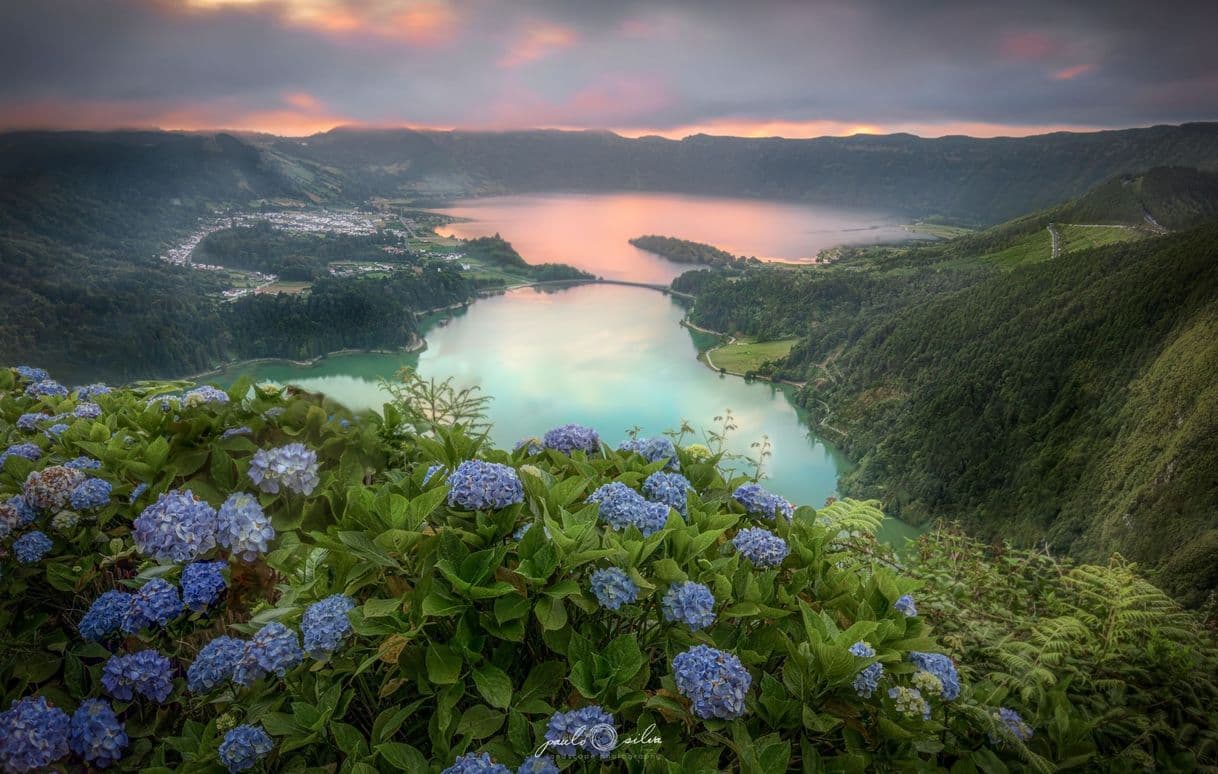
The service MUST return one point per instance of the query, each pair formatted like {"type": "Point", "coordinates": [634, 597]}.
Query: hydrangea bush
{"type": "Point", "coordinates": [312, 593]}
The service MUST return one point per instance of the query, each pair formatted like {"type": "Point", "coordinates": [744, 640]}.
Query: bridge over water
{"type": "Point", "coordinates": [651, 285]}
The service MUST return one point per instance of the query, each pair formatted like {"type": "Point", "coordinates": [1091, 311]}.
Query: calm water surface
{"type": "Point", "coordinates": [593, 231]}
{"type": "Point", "coordinates": [607, 356]}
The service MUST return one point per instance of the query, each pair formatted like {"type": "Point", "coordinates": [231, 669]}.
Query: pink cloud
{"type": "Point", "coordinates": [537, 42]}
{"type": "Point", "coordinates": [1069, 73]}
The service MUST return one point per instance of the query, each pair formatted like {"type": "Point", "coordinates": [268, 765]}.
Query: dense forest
{"type": "Point", "coordinates": [1069, 401]}
{"type": "Point", "coordinates": [683, 250]}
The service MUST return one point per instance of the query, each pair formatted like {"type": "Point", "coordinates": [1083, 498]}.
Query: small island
{"type": "Point", "coordinates": [495, 254]}
{"type": "Point", "coordinates": [684, 251]}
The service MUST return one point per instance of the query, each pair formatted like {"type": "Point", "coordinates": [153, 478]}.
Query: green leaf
{"type": "Point", "coordinates": [403, 757]}
{"type": "Point", "coordinates": [494, 685]}
{"type": "Point", "coordinates": [443, 664]}
{"type": "Point", "coordinates": [376, 608]}
{"type": "Point", "coordinates": [479, 722]}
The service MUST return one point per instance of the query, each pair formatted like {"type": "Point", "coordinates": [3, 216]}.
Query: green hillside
{"type": "Point", "coordinates": [1067, 400]}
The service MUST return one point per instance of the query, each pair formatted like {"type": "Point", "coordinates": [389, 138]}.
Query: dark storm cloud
{"type": "Point", "coordinates": [312, 63]}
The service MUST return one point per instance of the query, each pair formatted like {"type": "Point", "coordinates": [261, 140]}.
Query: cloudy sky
{"type": "Point", "coordinates": [757, 68]}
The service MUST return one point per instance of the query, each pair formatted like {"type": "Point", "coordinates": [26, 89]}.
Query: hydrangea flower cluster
{"type": "Point", "coordinates": [64, 522]}
{"type": "Point", "coordinates": [906, 606]}
{"type": "Point", "coordinates": [293, 467]}
{"type": "Point", "coordinates": [941, 667]}
{"type": "Point", "coordinates": [205, 394]}
{"type": "Point", "coordinates": [867, 681]}
{"type": "Point", "coordinates": [699, 452]}
{"type": "Point", "coordinates": [590, 729]}
{"type": "Point", "coordinates": [613, 588]}
{"type": "Point", "coordinates": [96, 735]}
{"type": "Point", "coordinates": [156, 602]}
{"type": "Point", "coordinates": [653, 450]}
{"type": "Point", "coordinates": [243, 527]}
{"type": "Point", "coordinates": [1014, 723]}
{"type": "Point", "coordinates": [761, 547]}
{"type": "Point", "coordinates": [538, 764]}
{"type": "Point", "coordinates": [87, 411]}
{"type": "Point", "coordinates": [476, 485]}
{"type": "Point", "coordinates": [622, 507]}
{"type": "Point", "coordinates": [33, 735]}
{"type": "Point", "coordinates": [689, 603]}
{"type": "Point", "coordinates": [909, 702]}
{"type": "Point", "coordinates": [105, 616]}
{"type": "Point", "coordinates": [214, 664]}
{"type": "Point", "coordinates": [274, 648]}
{"type": "Point", "coordinates": [56, 430]}
{"type": "Point", "coordinates": [25, 514]}
{"type": "Point", "coordinates": [91, 391]}
{"type": "Point", "coordinates": [668, 488]}
{"type": "Point", "coordinates": [48, 388]}
{"type": "Point", "coordinates": [476, 763]}
{"type": "Point", "coordinates": [32, 374]}
{"type": "Point", "coordinates": [178, 527]}
{"type": "Point", "coordinates": [202, 584]}
{"type": "Point", "coordinates": [147, 673]}
{"type": "Point", "coordinates": [715, 681]}
{"type": "Point", "coordinates": [90, 494]}
{"type": "Point", "coordinates": [243, 747]}
{"type": "Point", "coordinates": [83, 463]}
{"type": "Point", "coordinates": [531, 446]}
{"type": "Point", "coordinates": [28, 423]}
{"type": "Point", "coordinates": [325, 625]}
{"type": "Point", "coordinates": [31, 547]}
{"type": "Point", "coordinates": [570, 438]}
{"type": "Point", "coordinates": [759, 502]}
{"type": "Point", "coordinates": [28, 451]}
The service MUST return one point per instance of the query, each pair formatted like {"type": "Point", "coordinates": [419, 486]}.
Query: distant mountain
{"type": "Point", "coordinates": [977, 180]}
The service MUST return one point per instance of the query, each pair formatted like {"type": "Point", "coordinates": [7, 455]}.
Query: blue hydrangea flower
{"type": "Point", "coordinates": [29, 451]}
{"type": "Point", "coordinates": [476, 486]}
{"type": "Point", "coordinates": [867, 681]}
{"type": "Point", "coordinates": [90, 494]}
{"type": "Point", "coordinates": [31, 547]}
{"type": "Point", "coordinates": [906, 606]}
{"type": "Point", "coordinates": [613, 588]}
{"type": "Point", "coordinates": [91, 391]}
{"type": "Point", "coordinates": [33, 735]}
{"type": "Point", "coordinates": [689, 603]}
{"type": "Point", "coordinates": [715, 681]}
{"type": "Point", "coordinates": [669, 489]}
{"type": "Point", "coordinates": [87, 411]}
{"type": "Point", "coordinates": [530, 445]}
{"type": "Point", "coordinates": [571, 438]}
{"type": "Point", "coordinates": [147, 673]}
{"type": "Point", "coordinates": [759, 502]}
{"type": "Point", "coordinates": [862, 650]}
{"type": "Point", "coordinates": [105, 615]}
{"type": "Point", "coordinates": [83, 463]}
{"type": "Point", "coordinates": [293, 467]}
{"type": "Point", "coordinates": [25, 513]}
{"type": "Point", "coordinates": [538, 764]}
{"type": "Point", "coordinates": [215, 664]}
{"type": "Point", "coordinates": [29, 422]}
{"type": "Point", "coordinates": [56, 430]}
{"type": "Point", "coordinates": [476, 763]}
{"type": "Point", "coordinates": [243, 527]}
{"type": "Point", "coordinates": [233, 432]}
{"type": "Point", "coordinates": [325, 625]}
{"type": "Point", "coordinates": [32, 374]}
{"type": "Point", "coordinates": [431, 471]}
{"type": "Point", "coordinates": [156, 602]}
{"type": "Point", "coordinates": [590, 729]}
{"type": "Point", "coordinates": [202, 584]}
{"type": "Point", "coordinates": [135, 493]}
{"type": "Point", "coordinates": [761, 547]}
{"type": "Point", "coordinates": [202, 395]}
{"type": "Point", "coordinates": [178, 527]}
{"type": "Point", "coordinates": [653, 450]}
{"type": "Point", "coordinates": [941, 667]}
{"type": "Point", "coordinates": [909, 702]}
{"type": "Point", "coordinates": [46, 388]}
{"type": "Point", "coordinates": [243, 747]}
{"type": "Point", "coordinates": [275, 648]}
{"type": "Point", "coordinates": [1014, 723]}
{"type": "Point", "coordinates": [621, 507]}
{"type": "Point", "coordinates": [96, 734]}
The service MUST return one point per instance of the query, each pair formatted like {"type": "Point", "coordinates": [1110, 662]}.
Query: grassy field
{"type": "Point", "coordinates": [1029, 249]}
{"type": "Point", "coordinates": [291, 288]}
{"type": "Point", "coordinates": [939, 230]}
{"type": "Point", "coordinates": [1075, 238]}
{"type": "Point", "coordinates": [746, 355]}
